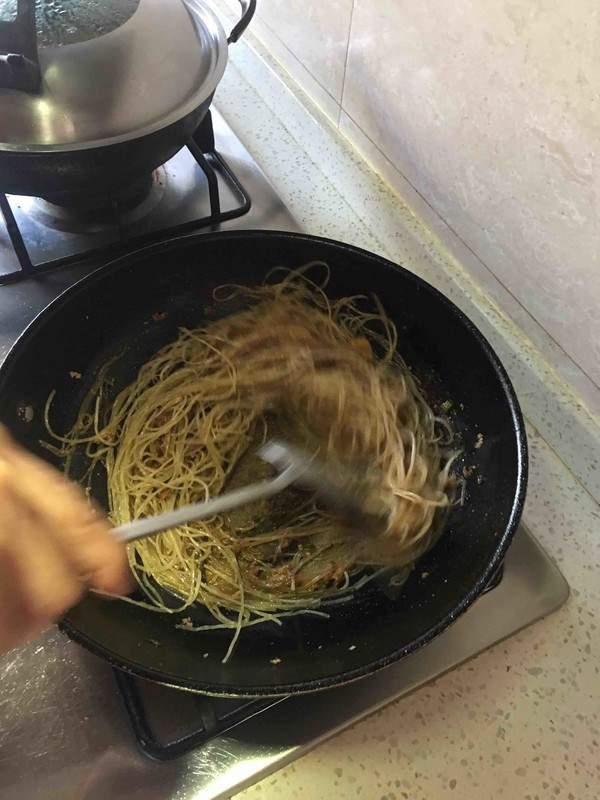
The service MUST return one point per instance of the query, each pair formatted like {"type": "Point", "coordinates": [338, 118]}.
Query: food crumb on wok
{"type": "Point", "coordinates": [205, 655]}
{"type": "Point", "coordinates": [25, 413]}
{"type": "Point", "coordinates": [159, 316]}
{"type": "Point", "coordinates": [424, 575]}
{"type": "Point", "coordinates": [74, 374]}
{"type": "Point", "coordinates": [154, 642]}
{"type": "Point", "coordinates": [187, 624]}
{"type": "Point", "coordinates": [467, 471]}
{"type": "Point", "coordinates": [352, 647]}
{"type": "Point", "coordinates": [479, 441]}
{"type": "Point", "coordinates": [275, 661]}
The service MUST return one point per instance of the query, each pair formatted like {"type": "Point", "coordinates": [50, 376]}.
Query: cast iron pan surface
{"type": "Point", "coordinates": [111, 312]}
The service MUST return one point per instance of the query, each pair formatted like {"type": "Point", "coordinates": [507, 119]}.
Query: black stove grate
{"type": "Point", "coordinates": [163, 735]}
{"type": "Point", "coordinates": [212, 164]}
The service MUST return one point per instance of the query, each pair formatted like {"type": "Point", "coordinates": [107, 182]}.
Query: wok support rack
{"type": "Point", "coordinates": [147, 705]}
{"type": "Point", "coordinates": [212, 164]}
{"type": "Point", "coordinates": [205, 717]}
{"type": "Point", "coordinates": [27, 269]}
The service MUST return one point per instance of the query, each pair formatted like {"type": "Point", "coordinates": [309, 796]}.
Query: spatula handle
{"type": "Point", "coordinates": [196, 511]}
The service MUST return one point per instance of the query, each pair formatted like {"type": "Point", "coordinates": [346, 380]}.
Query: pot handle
{"type": "Point", "coordinates": [248, 9]}
{"type": "Point", "coordinates": [19, 65]}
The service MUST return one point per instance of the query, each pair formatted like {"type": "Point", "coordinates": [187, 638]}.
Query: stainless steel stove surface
{"type": "Point", "coordinates": [64, 728]}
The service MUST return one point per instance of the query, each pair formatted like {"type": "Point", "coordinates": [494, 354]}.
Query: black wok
{"type": "Point", "coordinates": [113, 307]}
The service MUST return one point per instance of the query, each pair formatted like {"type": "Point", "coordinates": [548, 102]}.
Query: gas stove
{"type": "Point", "coordinates": [70, 726]}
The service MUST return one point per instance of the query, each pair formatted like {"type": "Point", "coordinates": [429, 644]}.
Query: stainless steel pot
{"type": "Point", "coordinates": [94, 114]}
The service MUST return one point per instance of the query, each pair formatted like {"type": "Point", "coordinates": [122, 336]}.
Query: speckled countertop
{"type": "Point", "coordinates": [523, 719]}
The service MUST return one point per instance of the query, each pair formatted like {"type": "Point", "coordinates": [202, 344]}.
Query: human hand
{"type": "Point", "coordinates": [53, 546]}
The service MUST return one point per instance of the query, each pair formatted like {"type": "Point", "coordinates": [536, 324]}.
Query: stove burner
{"type": "Point", "coordinates": [106, 212]}
{"type": "Point", "coordinates": [122, 197]}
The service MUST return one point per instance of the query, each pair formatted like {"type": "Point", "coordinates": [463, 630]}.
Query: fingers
{"type": "Point", "coordinates": [95, 553]}
{"type": "Point", "coordinates": [53, 545]}
{"type": "Point", "coordinates": [15, 621]}
{"type": "Point", "coordinates": [80, 532]}
{"type": "Point", "coordinates": [37, 585]}
{"type": "Point", "coordinates": [4, 436]}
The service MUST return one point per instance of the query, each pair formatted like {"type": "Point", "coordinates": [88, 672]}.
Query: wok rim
{"type": "Point", "coordinates": [348, 675]}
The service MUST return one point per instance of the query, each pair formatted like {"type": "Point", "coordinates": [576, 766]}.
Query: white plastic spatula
{"type": "Point", "coordinates": [293, 465]}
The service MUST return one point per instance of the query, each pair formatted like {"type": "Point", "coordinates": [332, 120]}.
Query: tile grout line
{"type": "Point", "coordinates": [346, 57]}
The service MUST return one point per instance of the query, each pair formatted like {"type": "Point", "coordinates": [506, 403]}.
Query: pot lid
{"type": "Point", "coordinates": [110, 77]}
